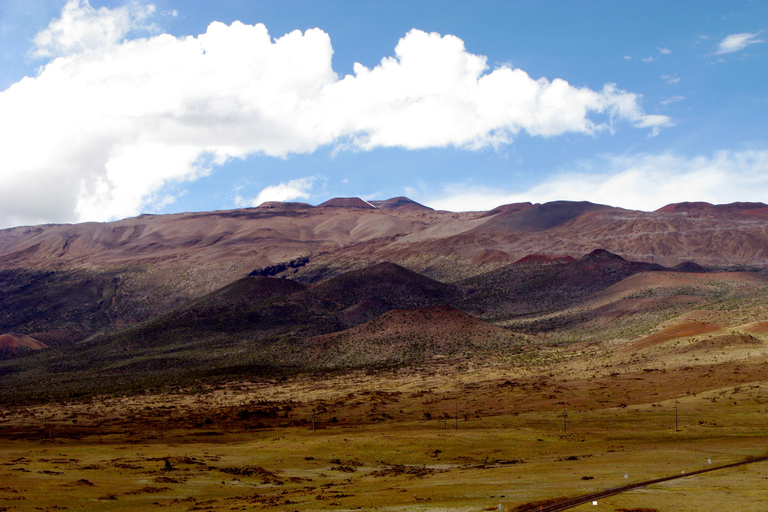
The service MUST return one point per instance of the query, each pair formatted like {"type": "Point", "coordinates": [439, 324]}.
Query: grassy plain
{"type": "Point", "coordinates": [392, 440]}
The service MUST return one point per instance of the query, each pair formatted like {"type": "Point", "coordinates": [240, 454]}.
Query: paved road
{"type": "Point", "coordinates": [596, 496]}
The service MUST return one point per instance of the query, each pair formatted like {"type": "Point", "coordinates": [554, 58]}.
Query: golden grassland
{"type": "Point", "coordinates": [393, 440]}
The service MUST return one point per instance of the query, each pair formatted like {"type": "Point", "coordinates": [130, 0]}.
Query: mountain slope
{"type": "Point", "coordinates": [410, 336]}
{"type": "Point", "coordinates": [523, 289]}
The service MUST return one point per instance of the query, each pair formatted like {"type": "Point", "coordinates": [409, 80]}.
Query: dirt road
{"type": "Point", "coordinates": [586, 498]}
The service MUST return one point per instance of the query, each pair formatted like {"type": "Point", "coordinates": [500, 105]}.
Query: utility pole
{"type": "Point", "coordinates": [676, 429]}
{"type": "Point", "coordinates": [565, 418]}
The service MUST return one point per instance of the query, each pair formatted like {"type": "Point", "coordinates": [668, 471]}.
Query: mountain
{"type": "Point", "coordinates": [264, 289]}
{"type": "Point", "coordinates": [62, 282]}
{"type": "Point", "coordinates": [536, 218]}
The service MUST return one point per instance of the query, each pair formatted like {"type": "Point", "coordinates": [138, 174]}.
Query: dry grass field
{"type": "Point", "coordinates": [392, 440]}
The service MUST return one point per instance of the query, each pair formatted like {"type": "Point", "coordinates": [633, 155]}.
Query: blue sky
{"type": "Point", "coordinates": [109, 109]}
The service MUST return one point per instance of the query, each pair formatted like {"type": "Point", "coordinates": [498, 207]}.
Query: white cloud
{"type": "Point", "coordinates": [290, 191]}
{"type": "Point", "coordinates": [82, 28]}
{"type": "Point", "coordinates": [736, 42]}
{"type": "Point", "coordinates": [108, 123]}
{"type": "Point", "coordinates": [670, 79]}
{"type": "Point", "coordinates": [639, 182]}
{"type": "Point", "coordinates": [672, 99]}
{"type": "Point", "coordinates": [653, 121]}
{"type": "Point", "coordinates": [665, 51]}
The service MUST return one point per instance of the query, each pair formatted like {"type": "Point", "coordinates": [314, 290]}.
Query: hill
{"type": "Point", "coordinates": [529, 287]}
{"type": "Point", "coordinates": [411, 336]}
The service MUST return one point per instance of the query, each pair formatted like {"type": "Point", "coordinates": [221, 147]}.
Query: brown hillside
{"type": "Point", "coordinates": [13, 342]}
{"type": "Point", "coordinates": [681, 330]}
{"type": "Point", "coordinates": [410, 335]}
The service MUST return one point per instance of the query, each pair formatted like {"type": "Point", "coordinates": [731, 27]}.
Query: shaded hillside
{"type": "Point", "coordinates": [254, 327]}
{"type": "Point", "coordinates": [537, 287]}
{"type": "Point", "coordinates": [260, 310]}
{"type": "Point", "coordinates": [647, 302]}
{"type": "Point", "coordinates": [55, 306]}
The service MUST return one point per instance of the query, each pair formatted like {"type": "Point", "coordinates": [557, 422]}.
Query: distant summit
{"type": "Point", "coordinates": [283, 207]}
{"type": "Point", "coordinates": [399, 203]}
{"type": "Point", "coordinates": [394, 203]}
{"type": "Point", "coordinates": [539, 217]}
{"type": "Point", "coordinates": [347, 202]}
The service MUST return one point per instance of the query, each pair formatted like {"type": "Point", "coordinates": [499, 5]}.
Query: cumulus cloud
{"type": "Point", "coordinates": [82, 28]}
{"type": "Point", "coordinates": [736, 42]}
{"type": "Point", "coordinates": [639, 182]}
{"type": "Point", "coordinates": [109, 122]}
{"type": "Point", "coordinates": [294, 189]}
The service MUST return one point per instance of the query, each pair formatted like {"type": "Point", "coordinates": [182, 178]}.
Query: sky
{"type": "Point", "coordinates": [110, 109]}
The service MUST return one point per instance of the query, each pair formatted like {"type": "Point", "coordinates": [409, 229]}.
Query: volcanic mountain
{"type": "Point", "coordinates": [67, 281]}
{"type": "Point", "coordinates": [290, 285]}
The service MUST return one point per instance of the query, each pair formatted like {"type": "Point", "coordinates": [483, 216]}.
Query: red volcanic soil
{"type": "Point", "coordinates": [14, 342]}
{"type": "Point", "coordinates": [758, 212]}
{"type": "Point", "coordinates": [540, 258]}
{"type": "Point", "coordinates": [757, 327]}
{"type": "Point", "coordinates": [681, 330]}
{"type": "Point", "coordinates": [347, 202]}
